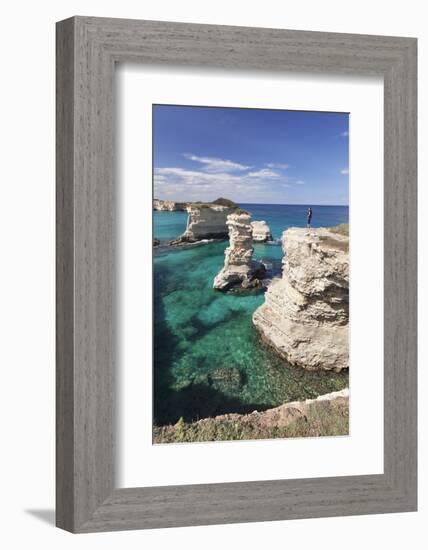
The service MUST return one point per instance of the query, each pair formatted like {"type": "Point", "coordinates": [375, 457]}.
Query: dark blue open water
{"type": "Point", "coordinates": [199, 330]}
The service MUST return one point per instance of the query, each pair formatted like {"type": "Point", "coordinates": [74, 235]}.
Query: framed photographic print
{"type": "Point", "coordinates": [236, 274]}
{"type": "Point", "coordinates": [209, 364]}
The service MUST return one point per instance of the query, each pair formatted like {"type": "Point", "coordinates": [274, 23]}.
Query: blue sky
{"type": "Point", "coordinates": [250, 155]}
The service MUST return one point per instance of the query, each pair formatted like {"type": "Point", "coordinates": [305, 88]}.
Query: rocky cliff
{"type": "Point", "coordinates": [261, 232]}
{"type": "Point", "coordinates": [239, 267]}
{"type": "Point", "coordinates": [206, 221]}
{"type": "Point", "coordinates": [169, 206]}
{"type": "Point", "coordinates": [305, 314]}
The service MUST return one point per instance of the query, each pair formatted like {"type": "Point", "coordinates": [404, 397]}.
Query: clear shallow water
{"type": "Point", "coordinates": [169, 225]}
{"type": "Point", "coordinates": [200, 332]}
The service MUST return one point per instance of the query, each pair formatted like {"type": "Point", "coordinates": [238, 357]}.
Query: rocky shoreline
{"type": "Point", "coordinates": [285, 414]}
{"type": "Point", "coordinates": [326, 415]}
{"type": "Point", "coordinates": [160, 247]}
{"type": "Point", "coordinates": [169, 206]}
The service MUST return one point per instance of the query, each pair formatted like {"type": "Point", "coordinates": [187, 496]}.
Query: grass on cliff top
{"type": "Point", "coordinates": [342, 229]}
{"type": "Point", "coordinates": [321, 421]}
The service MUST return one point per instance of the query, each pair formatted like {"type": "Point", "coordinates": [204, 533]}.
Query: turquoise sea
{"type": "Point", "coordinates": [199, 332]}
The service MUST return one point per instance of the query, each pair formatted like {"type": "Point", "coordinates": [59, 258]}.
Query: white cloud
{"type": "Point", "coordinates": [216, 165]}
{"type": "Point", "coordinates": [345, 171]}
{"type": "Point", "coordinates": [176, 179]}
{"type": "Point", "coordinates": [197, 178]}
{"type": "Point", "coordinates": [193, 178]}
{"type": "Point", "coordinates": [264, 173]}
{"type": "Point", "coordinates": [345, 134]}
{"type": "Point", "coordinates": [279, 165]}
{"type": "Point", "coordinates": [300, 182]}
{"type": "Point", "coordinates": [220, 177]}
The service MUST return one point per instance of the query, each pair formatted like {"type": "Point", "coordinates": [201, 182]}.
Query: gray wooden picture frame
{"type": "Point", "coordinates": [87, 50]}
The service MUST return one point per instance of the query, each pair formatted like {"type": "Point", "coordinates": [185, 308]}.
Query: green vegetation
{"type": "Point", "coordinates": [324, 419]}
{"type": "Point", "coordinates": [219, 202]}
{"type": "Point", "coordinates": [225, 202]}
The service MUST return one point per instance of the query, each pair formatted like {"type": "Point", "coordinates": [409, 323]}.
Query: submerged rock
{"type": "Point", "coordinates": [226, 379]}
{"type": "Point", "coordinates": [240, 270]}
{"type": "Point", "coordinates": [261, 232]}
{"type": "Point", "coordinates": [306, 311]}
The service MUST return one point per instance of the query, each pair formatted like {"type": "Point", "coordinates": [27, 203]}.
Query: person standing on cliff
{"type": "Point", "coordinates": [309, 217]}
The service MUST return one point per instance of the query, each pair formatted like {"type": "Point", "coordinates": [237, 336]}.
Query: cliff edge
{"type": "Point", "coordinates": [261, 232]}
{"type": "Point", "coordinates": [306, 311]}
{"type": "Point", "coordinates": [206, 222]}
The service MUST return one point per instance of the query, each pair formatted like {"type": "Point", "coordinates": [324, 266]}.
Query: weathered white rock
{"type": "Point", "coordinates": [168, 206]}
{"type": "Point", "coordinates": [239, 266]}
{"type": "Point", "coordinates": [305, 314]}
{"type": "Point", "coordinates": [206, 222]}
{"type": "Point", "coordinates": [261, 232]}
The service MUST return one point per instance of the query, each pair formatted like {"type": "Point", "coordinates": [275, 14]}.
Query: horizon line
{"type": "Point", "coordinates": [292, 204]}
{"type": "Point", "coordinates": [262, 203]}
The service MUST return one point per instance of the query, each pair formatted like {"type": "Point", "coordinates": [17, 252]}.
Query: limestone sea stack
{"type": "Point", "coordinates": [206, 221]}
{"type": "Point", "coordinates": [261, 232]}
{"type": "Point", "coordinates": [239, 267]}
{"type": "Point", "coordinates": [306, 311]}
